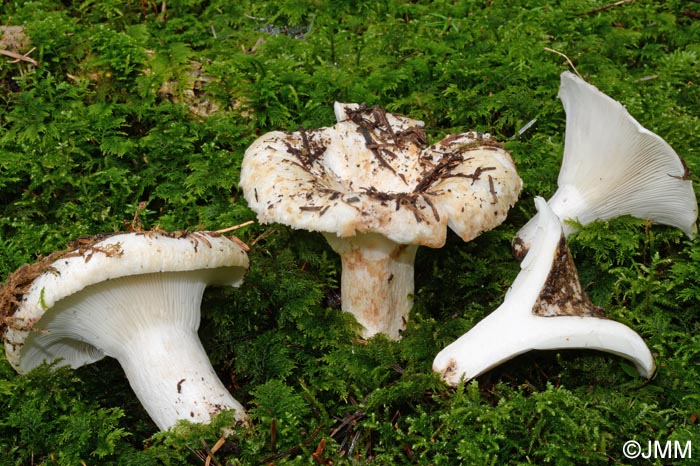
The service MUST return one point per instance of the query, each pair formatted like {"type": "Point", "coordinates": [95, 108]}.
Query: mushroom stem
{"type": "Point", "coordinates": [173, 378]}
{"type": "Point", "coordinates": [376, 281]}
{"type": "Point", "coordinates": [154, 338]}
{"type": "Point", "coordinates": [545, 308]}
{"type": "Point", "coordinates": [476, 352]}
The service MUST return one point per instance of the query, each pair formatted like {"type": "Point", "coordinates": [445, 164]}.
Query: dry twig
{"type": "Point", "coordinates": [20, 57]}
{"type": "Point", "coordinates": [567, 59]}
{"type": "Point", "coordinates": [293, 450]}
{"type": "Point", "coordinates": [606, 7]}
{"type": "Point", "coordinates": [235, 227]}
{"type": "Point", "coordinates": [210, 452]}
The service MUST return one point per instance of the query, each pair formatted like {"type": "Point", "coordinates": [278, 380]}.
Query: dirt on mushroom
{"type": "Point", "coordinates": [18, 282]}
{"type": "Point", "coordinates": [373, 186]}
{"type": "Point", "coordinates": [562, 294]}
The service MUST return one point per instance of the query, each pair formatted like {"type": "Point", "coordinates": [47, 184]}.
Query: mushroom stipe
{"type": "Point", "coordinates": [545, 308]}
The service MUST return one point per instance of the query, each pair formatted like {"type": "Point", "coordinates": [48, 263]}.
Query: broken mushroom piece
{"type": "Point", "coordinates": [377, 191]}
{"type": "Point", "coordinates": [135, 297]}
{"type": "Point", "coordinates": [544, 309]}
{"type": "Point", "coordinates": [613, 166]}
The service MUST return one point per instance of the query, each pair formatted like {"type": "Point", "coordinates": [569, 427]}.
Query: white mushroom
{"type": "Point", "coordinates": [613, 166]}
{"type": "Point", "coordinates": [135, 297]}
{"type": "Point", "coordinates": [377, 191]}
{"type": "Point", "coordinates": [545, 308]}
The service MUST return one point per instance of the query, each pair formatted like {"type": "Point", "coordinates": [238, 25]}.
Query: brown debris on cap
{"type": "Point", "coordinates": [374, 172]}
{"type": "Point", "coordinates": [377, 190]}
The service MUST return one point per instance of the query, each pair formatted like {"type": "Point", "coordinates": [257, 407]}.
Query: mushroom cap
{"type": "Point", "coordinates": [605, 145]}
{"type": "Point", "coordinates": [613, 166]}
{"type": "Point", "coordinates": [217, 259]}
{"type": "Point", "coordinates": [373, 172]}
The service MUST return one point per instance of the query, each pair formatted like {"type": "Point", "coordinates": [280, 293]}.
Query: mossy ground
{"type": "Point", "coordinates": [148, 106]}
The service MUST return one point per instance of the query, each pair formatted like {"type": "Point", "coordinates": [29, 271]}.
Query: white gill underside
{"type": "Point", "coordinates": [149, 324]}
{"type": "Point", "coordinates": [613, 166]}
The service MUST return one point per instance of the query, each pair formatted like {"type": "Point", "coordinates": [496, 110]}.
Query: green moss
{"type": "Point", "coordinates": [135, 109]}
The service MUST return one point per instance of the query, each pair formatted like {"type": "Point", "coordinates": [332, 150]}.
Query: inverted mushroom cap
{"type": "Point", "coordinates": [216, 259]}
{"type": "Point", "coordinates": [134, 297]}
{"type": "Point", "coordinates": [373, 172]}
{"type": "Point", "coordinates": [545, 308]}
{"type": "Point", "coordinates": [613, 166]}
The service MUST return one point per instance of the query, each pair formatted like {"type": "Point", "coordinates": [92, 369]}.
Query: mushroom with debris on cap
{"type": "Point", "coordinates": [613, 166]}
{"type": "Point", "coordinates": [135, 297]}
{"type": "Point", "coordinates": [376, 190]}
{"type": "Point", "coordinates": [545, 308]}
